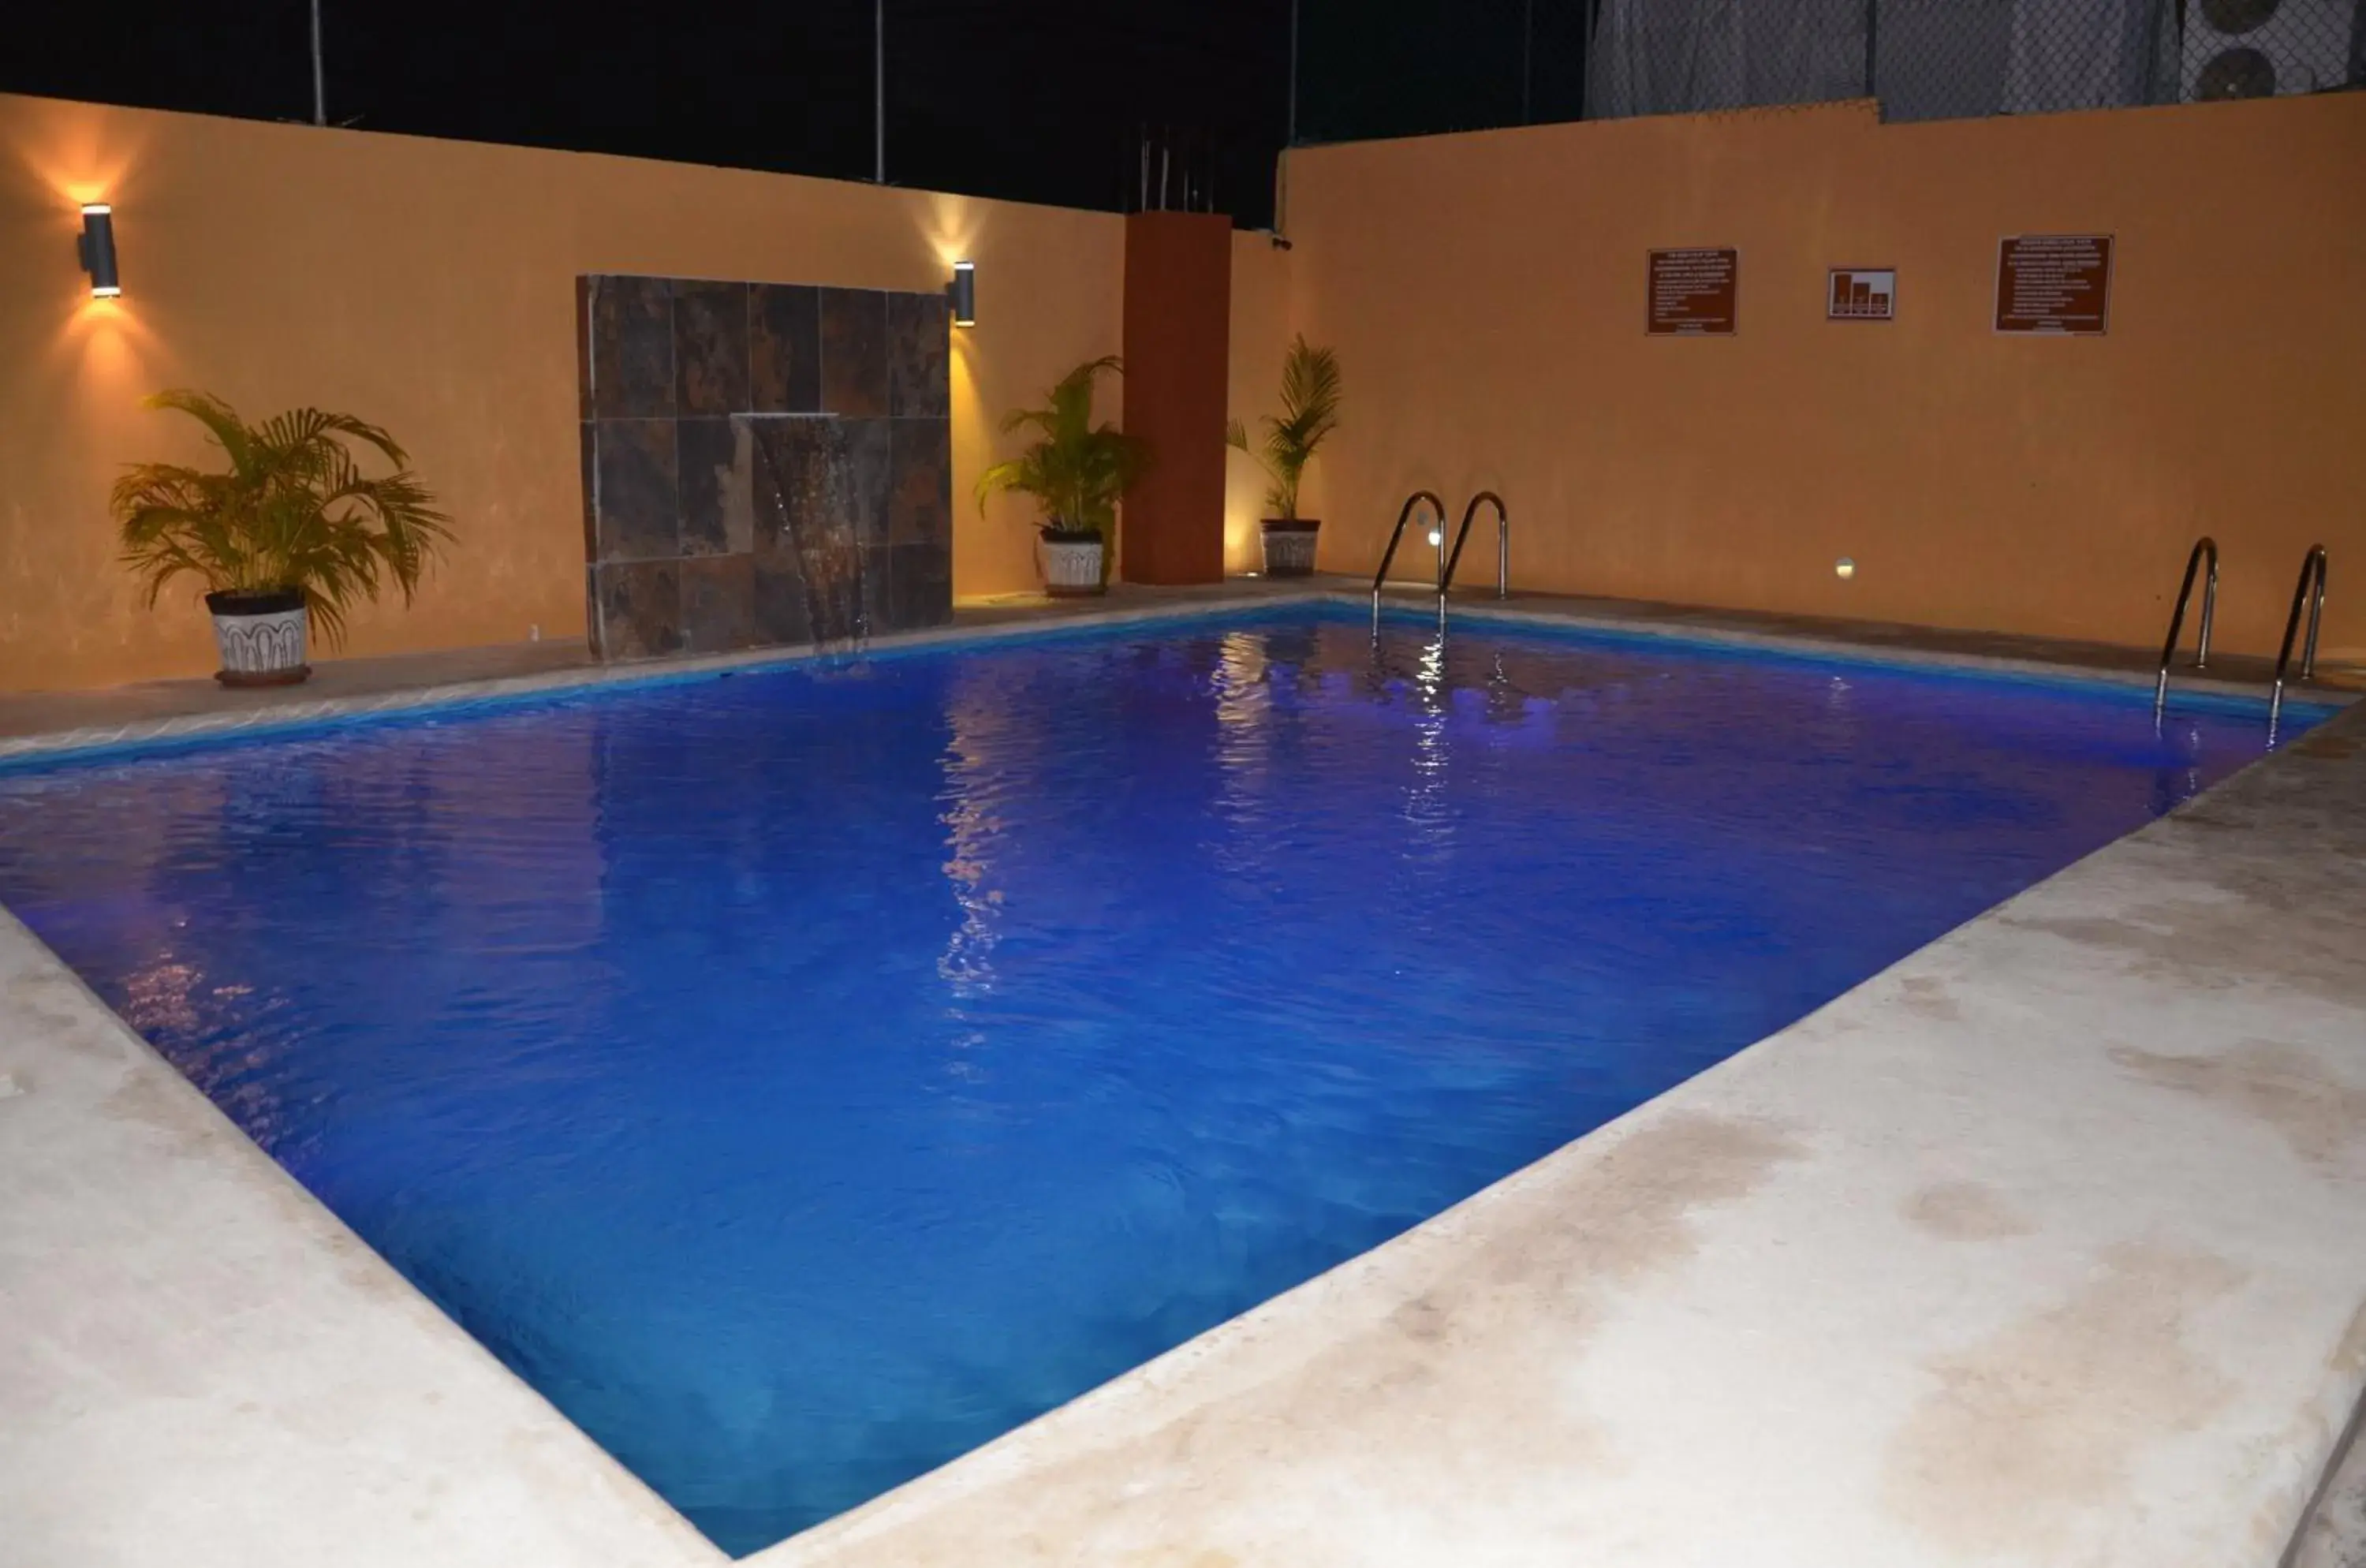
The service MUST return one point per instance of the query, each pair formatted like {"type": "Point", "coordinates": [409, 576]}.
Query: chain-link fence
{"type": "Point", "coordinates": [1937, 59]}
{"type": "Point", "coordinates": [1399, 67]}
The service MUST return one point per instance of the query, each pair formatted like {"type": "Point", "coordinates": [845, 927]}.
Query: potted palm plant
{"type": "Point", "coordinates": [1309, 413]}
{"type": "Point", "coordinates": [1076, 471]}
{"type": "Point", "coordinates": [287, 531]}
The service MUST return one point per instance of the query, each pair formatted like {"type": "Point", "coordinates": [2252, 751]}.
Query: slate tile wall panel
{"type": "Point", "coordinates": [710, 348]}
{"type": "Point", "coordinates": [590, 451]}
{"type": "Point", "coordinates": [631, 348]}
{"type": "Point", "coordinates": [920, 483]}
{"type": "Point", "coordinates": [763, 463]}
{"type": "Point", "coordinates": [717, 495]}
{"type": "Point", "coordinates": [636, 608]}
{"type": "Point", "coordinates": [854, 353]}
{"type": "Point", "coordinates": [718, 603]}
{"type": "Point", "coordinates": [919, 383]}
{"type": "Point", "coordinates": [784, 348]}
{"type": "Point", "coordinates": [637, 505]}
{"type": "Point", "coordinates": [781, 612]}
{"type": "Point", "coordinates": [867, 455]}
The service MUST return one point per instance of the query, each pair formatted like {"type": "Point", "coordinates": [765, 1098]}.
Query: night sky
{"type": "Point", "coordinates": [1041, 101]}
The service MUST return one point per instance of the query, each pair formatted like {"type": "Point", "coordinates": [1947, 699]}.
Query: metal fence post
{"type": "Point", "coordinates": [1872, 39]}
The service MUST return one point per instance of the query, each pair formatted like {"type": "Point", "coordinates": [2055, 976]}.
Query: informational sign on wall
{"type": "Point", "coordinates": [2054, 284]}
{"type": "Point", "coordinates": [1693, 293]}
{"type": "Point", "coordinates": [1862, 294]}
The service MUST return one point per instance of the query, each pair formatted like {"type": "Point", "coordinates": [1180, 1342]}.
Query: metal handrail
{"type": "Point", "coordinates": [2204, 547]}
{"type": "Point", "coordinates": [1502, 543]}
{"type": "Point", "coordinates": [1396, 536]}
{"type": "Point", "coordinates": [2312, 569]}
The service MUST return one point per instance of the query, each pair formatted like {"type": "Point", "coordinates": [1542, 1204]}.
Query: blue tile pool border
{"type": "Point", "coordinates": [163, 737]}
{"type": "Point", "coordinates": [1812, 653]}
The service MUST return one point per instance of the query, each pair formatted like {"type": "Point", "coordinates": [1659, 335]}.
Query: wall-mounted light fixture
{"type": "Point", "coordinates": [961, 294]}
{"type": "Point", "coordinates": [95, 245]}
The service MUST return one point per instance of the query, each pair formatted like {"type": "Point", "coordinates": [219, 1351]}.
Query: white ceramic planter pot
{"type": "Point", "coordinates": [261, 638]}
{"type": "Point", "coordinates": [1070, 565]}
{"type": "Point", "coordinates": [1290, 547]}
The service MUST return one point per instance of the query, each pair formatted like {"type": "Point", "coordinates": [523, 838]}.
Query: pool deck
{"type": "Point", "coordinates": [2336, 1537]}
{"type": "Point", "coordinates": [2041, 1247]}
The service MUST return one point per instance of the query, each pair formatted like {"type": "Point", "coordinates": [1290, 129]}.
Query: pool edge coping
{"type": "Point", "coordinates": [97, 740]}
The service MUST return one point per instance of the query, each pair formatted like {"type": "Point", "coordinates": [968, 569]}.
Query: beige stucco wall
{"type": "Point", "coordinates": [1486, 294]}
{"type": "Point", "coordinates": [429, 285]}
{"type": "Point", "coordinates": [1260, 334]}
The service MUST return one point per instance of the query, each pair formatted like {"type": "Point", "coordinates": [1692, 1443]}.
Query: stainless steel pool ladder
{"type": "Point", "coordinates": [2312, 574]}
{"type": "Point", "coordinates": [1396, 537]}
{"type": "Point", "coordinates": [2204, 549]}
{"type": "Point", "coordinates": [1448, 560]}
{"type": "Point", "coordinates": [1503, 544]}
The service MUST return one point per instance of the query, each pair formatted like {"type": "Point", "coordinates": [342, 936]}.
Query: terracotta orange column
{"type": "Point", "coordinates": [1178, 305]}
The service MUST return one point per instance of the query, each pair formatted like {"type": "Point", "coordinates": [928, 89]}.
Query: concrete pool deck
{"type": "Point", "coordinates": [2336, 1537]}
{"type": "Point", "coordinates": [2041, 1246]}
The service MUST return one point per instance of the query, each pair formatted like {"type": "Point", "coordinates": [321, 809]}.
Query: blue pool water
{"type": "Point", "coordinates": [804, 1077]}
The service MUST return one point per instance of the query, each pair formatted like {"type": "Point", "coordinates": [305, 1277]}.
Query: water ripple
{"type": "Point", "coordinates": [803, 1078]}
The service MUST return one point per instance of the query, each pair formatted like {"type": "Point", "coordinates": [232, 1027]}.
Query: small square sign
{"type": "Point", "coordinates": [1862, 294]}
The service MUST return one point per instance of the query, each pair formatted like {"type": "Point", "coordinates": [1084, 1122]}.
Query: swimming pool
{"type": "Point", "coordinates": [804, 1076]}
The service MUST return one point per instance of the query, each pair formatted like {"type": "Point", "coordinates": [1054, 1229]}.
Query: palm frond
{"type": "Point", "coordinates": [229, 432]}
{"type": "Point", "coordinates": [1311, 396]}
{"type": "Point", "coordinates": [1310, 389]}
{"type": "Point", "coordinates": [294, 511]}
{"type": "Point", "coordinates": [1075, 471]}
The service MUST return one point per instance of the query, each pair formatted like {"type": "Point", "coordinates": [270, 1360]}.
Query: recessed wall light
{"type": "Point", "coordinates": [1845, 569]}
{"type": "Point", "coordinates": [95, 246]}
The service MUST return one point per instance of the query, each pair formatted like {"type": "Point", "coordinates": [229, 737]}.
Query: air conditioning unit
{"type": "Point", "coordinates": [2257, 48]}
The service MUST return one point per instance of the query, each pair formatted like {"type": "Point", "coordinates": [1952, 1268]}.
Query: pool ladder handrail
{"type": "Point", "coordinates": [1503, 544]}
{"type": "Point", "coordinates": [2312, 571]}
{"type": "Point", "coordinates": [2205, 547]}
{"type": "Point", "coordinates": [1396, 537]}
